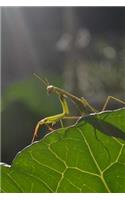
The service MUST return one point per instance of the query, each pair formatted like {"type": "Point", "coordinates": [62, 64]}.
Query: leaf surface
{"type": "Point", "coordinates": [86, 157]}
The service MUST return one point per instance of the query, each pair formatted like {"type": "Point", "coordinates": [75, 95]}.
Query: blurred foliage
{"type": "Point", "coordinates": [30, 93]}
{"type": "Point", "coordinates": [101, 79]}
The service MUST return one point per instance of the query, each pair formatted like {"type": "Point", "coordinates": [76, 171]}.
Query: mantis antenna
{"type": "Point", "coordinates": [44, 81]}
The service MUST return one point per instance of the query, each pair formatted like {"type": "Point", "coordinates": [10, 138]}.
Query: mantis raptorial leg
{"type": "Point", "coordinates": [53, 119]}
{"type": "Point", "coordinates": [82, 104]}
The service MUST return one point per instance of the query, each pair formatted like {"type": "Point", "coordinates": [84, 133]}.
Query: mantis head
{"type": "Point", "coordinates": [50, 89]}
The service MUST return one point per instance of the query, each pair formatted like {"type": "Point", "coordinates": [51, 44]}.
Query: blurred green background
{"type": "Point", "coordinates": [80, 49]}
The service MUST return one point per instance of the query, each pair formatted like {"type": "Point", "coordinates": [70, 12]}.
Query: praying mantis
{"type": "Point", "coordinates": [81, 103]}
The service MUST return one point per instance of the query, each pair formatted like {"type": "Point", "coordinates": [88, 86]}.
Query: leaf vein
{"type": "Point", "coordinates": [95, 161]}
{"type": "Point", "coordinates": [58, 157]}
{"type": "Point", "coordinates": [39, 163]}
{"type": "Point", "coordinates": [73, 184]}
{"type": "Point", "coordinates": [12, 179]}
{"type": "Point", "coordinates": [90, 151]}
{"type": "Point", "coordinates": [83, 171]}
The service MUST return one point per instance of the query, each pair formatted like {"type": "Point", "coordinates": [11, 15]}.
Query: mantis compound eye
{"type": "Point", "coordinates": [50, 89]}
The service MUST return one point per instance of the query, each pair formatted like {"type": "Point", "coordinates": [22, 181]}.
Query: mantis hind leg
{"type": "Point", "coordinates": [109, 98]}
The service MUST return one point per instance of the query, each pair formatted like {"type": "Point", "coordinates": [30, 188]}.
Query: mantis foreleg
{"type": "Point", "coordinates": [53, 119]}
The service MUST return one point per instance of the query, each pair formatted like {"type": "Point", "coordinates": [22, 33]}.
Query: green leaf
{"type": "Point", "coordinates": [86, 157]}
